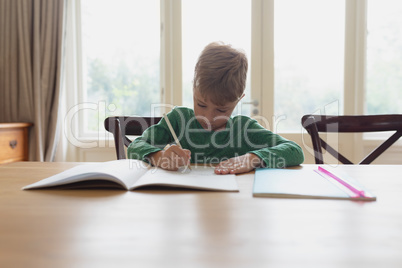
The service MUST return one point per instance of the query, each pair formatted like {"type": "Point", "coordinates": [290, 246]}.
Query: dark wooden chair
{"type": "Point", "coordinates": [123, 126]}
{"type": "Point", "coordinates": [351, 123]}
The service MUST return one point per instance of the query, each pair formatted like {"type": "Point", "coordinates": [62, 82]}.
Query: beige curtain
{"type": "Point", "coordinates": [31, 34]}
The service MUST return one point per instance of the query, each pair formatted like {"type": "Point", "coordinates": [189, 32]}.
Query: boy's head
{"type": "Point", "coordinates": [219, 82]}
{"type": "Point", "coordinates": [220, 73]}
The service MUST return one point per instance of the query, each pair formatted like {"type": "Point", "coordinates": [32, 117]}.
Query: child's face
{"type": "Point", "coordinates": [209, 115]}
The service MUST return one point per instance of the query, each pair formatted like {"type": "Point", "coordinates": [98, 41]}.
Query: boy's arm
{"type": "Point", "coordinates": [261, 148]}
{"type": "Point", "coordinates": [274, 150]}
{"type": "Point", "coordinates": [144, 145]}
{"type": "Point", "coordinates": [153, 139]}
{"type": "Point", "coordinates": [151, 146]}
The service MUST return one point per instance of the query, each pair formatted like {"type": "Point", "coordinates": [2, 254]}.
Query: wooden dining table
{"type": "Point", "coordinates": [162, 227]}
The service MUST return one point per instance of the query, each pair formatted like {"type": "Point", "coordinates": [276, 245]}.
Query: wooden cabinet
{"type": "Point", "coordinates": [14, 142]}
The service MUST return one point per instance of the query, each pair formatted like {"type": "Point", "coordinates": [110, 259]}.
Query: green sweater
{"type": "Point", "coordinates": [242, 135]}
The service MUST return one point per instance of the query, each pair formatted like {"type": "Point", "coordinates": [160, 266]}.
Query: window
{"type": "Point", "coordinates": [121, 58]}
{"type": "Point", "coordinates": [121, 55]}
{"type": "Point", "coordinates": [309, 57]}
{"type": "Point", "coordinates": [384, 57]}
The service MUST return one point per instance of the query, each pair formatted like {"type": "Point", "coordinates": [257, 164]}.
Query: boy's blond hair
{"type": "Point", "coordinates": [220, 73]}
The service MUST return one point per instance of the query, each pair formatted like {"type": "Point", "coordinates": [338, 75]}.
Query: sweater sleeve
{"type": "Point", "coordinates": [274, 150]}
{"type": "Point", "coordinates": [153, 139]}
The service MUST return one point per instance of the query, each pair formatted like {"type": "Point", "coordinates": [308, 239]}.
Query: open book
{"type": "Point", "coordinates": [306, 183]}
{"type": "Point", "coordinates": [132, 174]}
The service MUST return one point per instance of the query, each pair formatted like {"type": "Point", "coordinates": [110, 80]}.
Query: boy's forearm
{"type": "Point", "coordinates": [280, 156]}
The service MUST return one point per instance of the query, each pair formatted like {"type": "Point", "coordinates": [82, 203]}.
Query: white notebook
{"type": "Point", "coordinates": [133, 174]}
{"type": "Point", "coordinates": [304, 183]}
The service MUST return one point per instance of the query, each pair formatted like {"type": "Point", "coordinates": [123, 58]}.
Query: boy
{"type": "Point", "coordinates": [208, 134]}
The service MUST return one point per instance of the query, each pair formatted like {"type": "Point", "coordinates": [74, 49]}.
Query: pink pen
{"type": "Point", "coordinates": [360, 193]}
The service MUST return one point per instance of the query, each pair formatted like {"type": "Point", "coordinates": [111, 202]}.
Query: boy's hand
{"type": "Point", "coordinates": [171, 158]}
{"type": "Point", "coordinates": [239, 164]}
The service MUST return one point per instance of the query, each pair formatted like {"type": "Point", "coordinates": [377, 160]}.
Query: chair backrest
{"type": "Point", "coordinates": [121, 126]}
{"type": "Point", "coordinates": [351, 123]}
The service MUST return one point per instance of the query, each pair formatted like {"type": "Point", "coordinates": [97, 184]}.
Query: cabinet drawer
{"type": "Point", "coordinates": [13, 144]}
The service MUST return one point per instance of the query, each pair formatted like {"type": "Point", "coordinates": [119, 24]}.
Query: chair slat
{"type": "Point", "coordinates": [314, 124]}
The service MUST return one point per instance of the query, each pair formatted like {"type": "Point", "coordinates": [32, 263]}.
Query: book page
{"type": "Point", "coordinates": [200, 177]}
{"type": "Point", "coordinates": [123, 172]}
